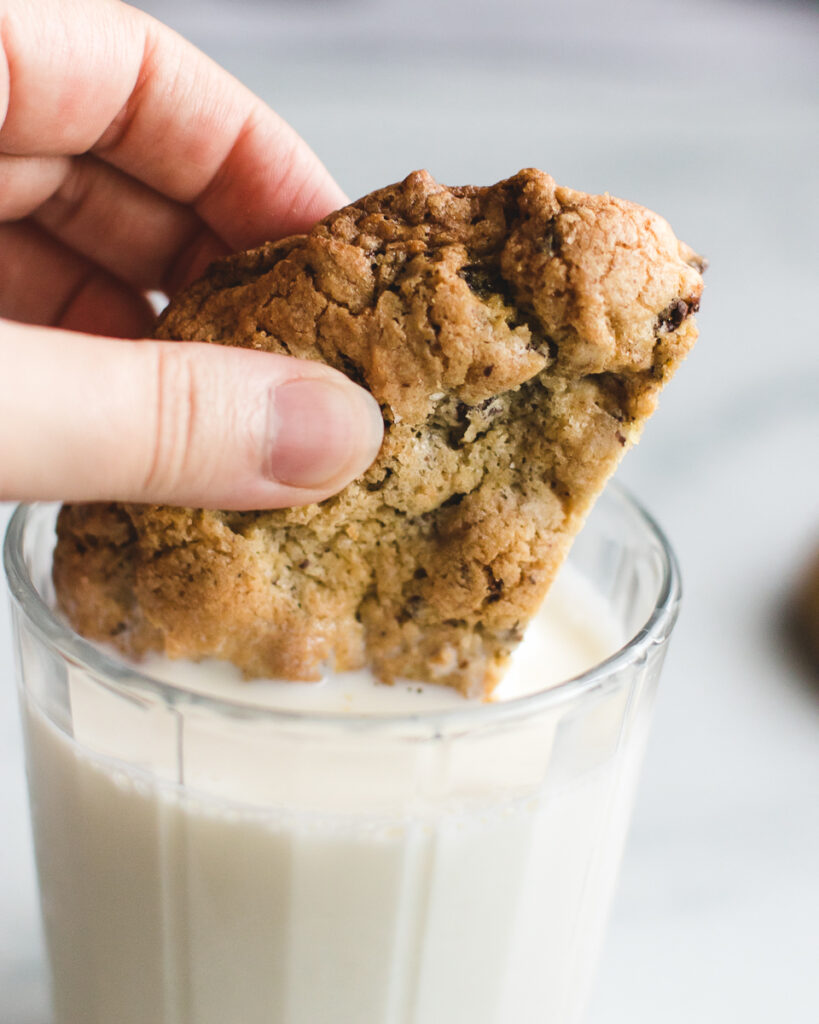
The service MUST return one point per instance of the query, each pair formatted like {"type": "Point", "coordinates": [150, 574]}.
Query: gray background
{"type": "Point", "coordinates": [707, 112]}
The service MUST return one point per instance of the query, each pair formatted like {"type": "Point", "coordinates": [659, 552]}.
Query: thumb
{"type": "Point", "coordinates": [86, 418]}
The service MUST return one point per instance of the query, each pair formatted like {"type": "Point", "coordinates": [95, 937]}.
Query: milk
{"type": "Point", "coordinates": [392, 857]}
{"type": "Point", "coordinates": [573, 631]}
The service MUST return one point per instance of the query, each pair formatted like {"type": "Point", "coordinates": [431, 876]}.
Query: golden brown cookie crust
{"type": "Point", "coordinates": [516, 337]}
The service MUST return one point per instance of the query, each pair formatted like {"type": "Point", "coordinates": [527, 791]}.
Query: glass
{"type": "Point", "coordinates": [201, 861]}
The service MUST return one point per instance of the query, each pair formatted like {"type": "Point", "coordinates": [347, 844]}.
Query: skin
{"type": "Point", "coordinates": [129, 161]}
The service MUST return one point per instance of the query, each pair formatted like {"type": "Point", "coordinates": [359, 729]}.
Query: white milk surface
{"type": "Point", "coordinates": [357, 878]}
{"type": "Point", "coordinates": [573, 631]}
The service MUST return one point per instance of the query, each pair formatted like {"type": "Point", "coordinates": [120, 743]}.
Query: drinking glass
{"type": "Point", "coordinates": [202, 861]}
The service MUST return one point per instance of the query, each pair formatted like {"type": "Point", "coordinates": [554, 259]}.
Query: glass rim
{"type": "Point", "coordinates": [130, 681]}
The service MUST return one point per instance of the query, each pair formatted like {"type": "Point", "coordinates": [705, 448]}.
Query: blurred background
{"type": "Point", "coordinates": [708, 112]}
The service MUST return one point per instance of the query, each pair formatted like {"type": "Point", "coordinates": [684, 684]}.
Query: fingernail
{"type": "Point", "coordinates": [322, 431]}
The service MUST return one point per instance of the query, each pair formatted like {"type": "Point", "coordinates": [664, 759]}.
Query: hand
{"type": "Point", "coordinates": [129, 161]}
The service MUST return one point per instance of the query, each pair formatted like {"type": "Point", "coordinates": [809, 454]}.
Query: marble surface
{"type": "Point", "coordinates": [707, 112]}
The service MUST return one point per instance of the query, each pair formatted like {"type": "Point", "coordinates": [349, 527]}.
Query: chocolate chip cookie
{"type": "Point", "coordinates": [516, 337]}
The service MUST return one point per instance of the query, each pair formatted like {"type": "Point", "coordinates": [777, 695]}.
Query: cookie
{"type": "Point", "coordinates": [804, 612]}
{"type": "Point", "coordinates": [516, 337]}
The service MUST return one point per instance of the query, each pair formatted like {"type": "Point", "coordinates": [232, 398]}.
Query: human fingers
{"type": "Point", "coordinates": [44, 282]}
{"type": "Point", "coordinates": [167, 115]}
{"type": "Point", "coordinates": [88, 418]}
{"type": "Point", "coordinates": [139, 235]}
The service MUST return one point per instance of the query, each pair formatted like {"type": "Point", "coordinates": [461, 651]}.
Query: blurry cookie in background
{"type": "Point", "coordinates": [803, 612]}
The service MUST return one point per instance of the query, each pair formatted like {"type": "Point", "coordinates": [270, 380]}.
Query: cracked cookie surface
{"type": "Point", "coordinates": [516, 338]}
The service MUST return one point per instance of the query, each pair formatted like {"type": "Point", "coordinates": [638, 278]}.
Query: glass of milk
{"type": "Point", "coordinates": [218, 852]}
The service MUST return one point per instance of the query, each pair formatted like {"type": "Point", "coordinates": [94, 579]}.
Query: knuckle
{"type": "Point", "coordinates": [119, 128]}
{"type": "Point", "coordinates": [66, 204]}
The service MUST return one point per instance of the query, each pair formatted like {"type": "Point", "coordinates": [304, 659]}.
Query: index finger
{"type": "Point", "coordinates": [92, 75]}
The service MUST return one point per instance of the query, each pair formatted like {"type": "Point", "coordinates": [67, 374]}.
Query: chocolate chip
{"type": "Point", "coordinates": [491, 407]}
{"type": "Point", "coordinates": [486, 281]}
{"type": "Point", "coordinates": [456, 433]}
{"type": "Point", "coordinates": [478, 280]}
{"type": "Point", "coordinates": [495, 588]}
{"type": "Point", "coordinates": [671, 317]}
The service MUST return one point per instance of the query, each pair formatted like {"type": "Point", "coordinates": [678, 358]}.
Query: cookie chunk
{"type": "Point", "coordinates": [516, 338]}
